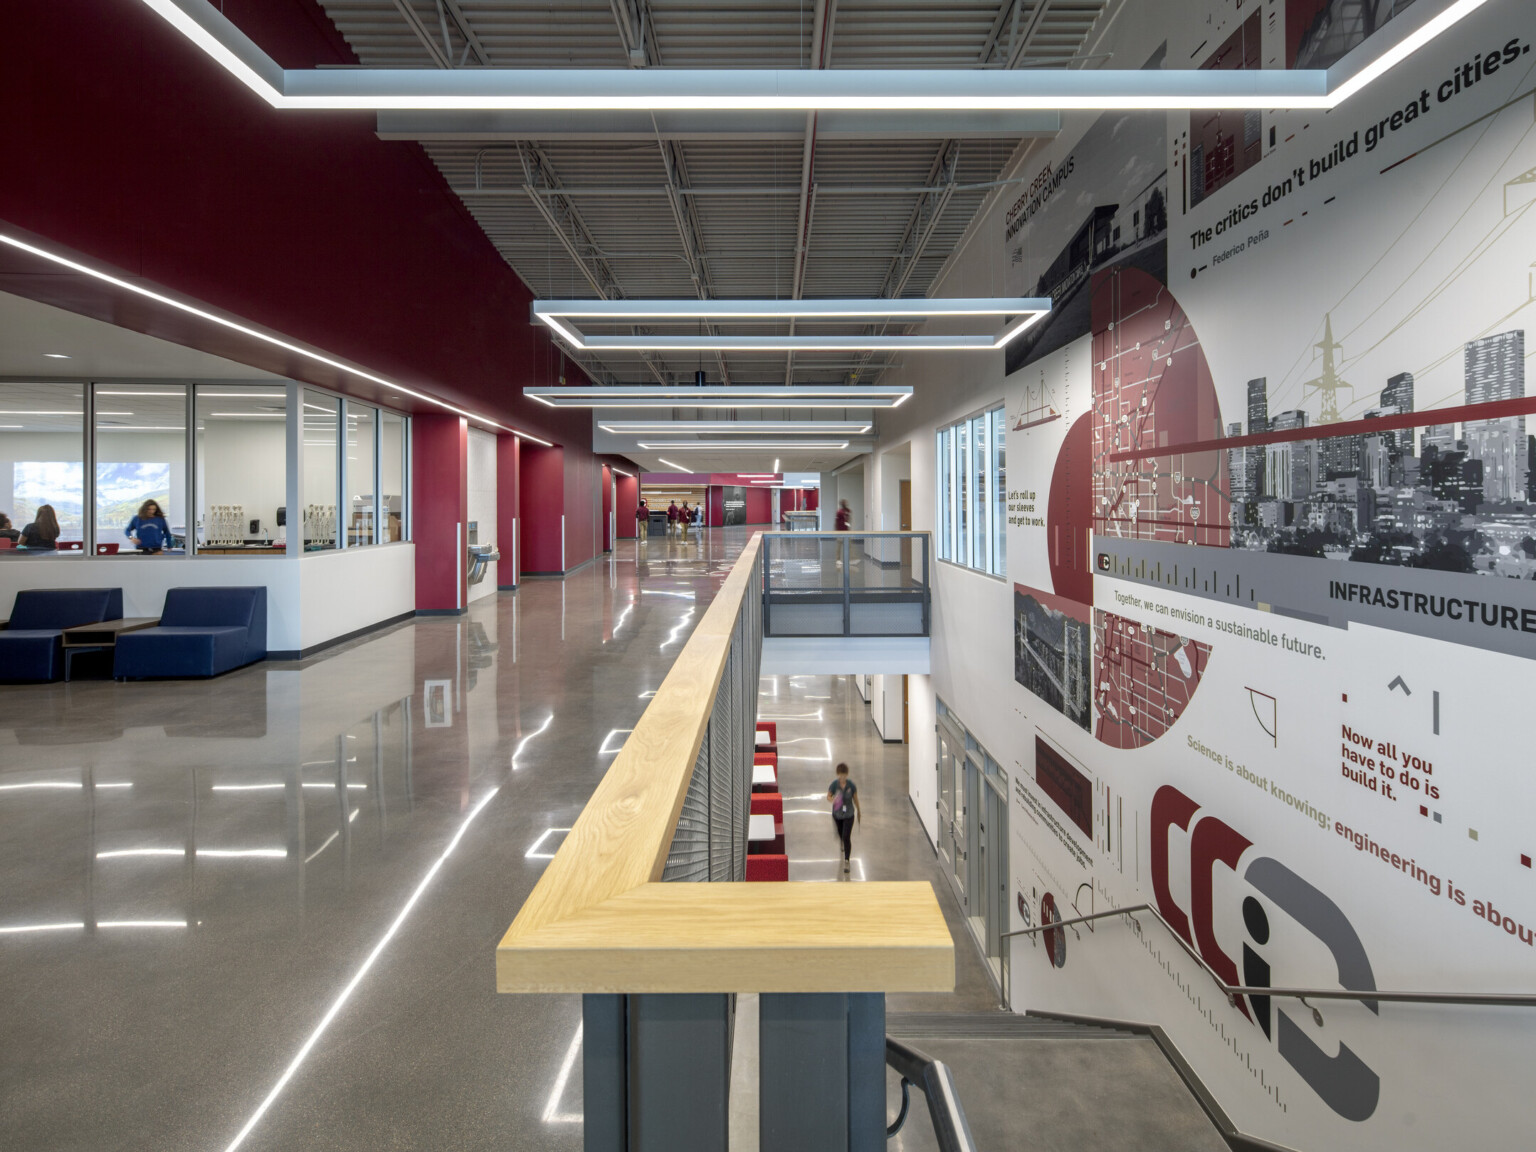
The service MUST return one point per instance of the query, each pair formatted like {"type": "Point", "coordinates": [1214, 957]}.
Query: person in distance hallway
{"type": "Point", "coordinates": [672, 515]}
{"type": "Point", "coordinates": [844, 516]}
{"type": "Point", "coordinates": [843, 794]}
{"type": "Point", "coordinates": [43, 532]}
{"type": "Point", "coordinates": [642, 521]}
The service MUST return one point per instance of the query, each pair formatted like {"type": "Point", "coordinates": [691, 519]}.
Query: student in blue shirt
{"type": "Point", "coordinates": [148, 529]}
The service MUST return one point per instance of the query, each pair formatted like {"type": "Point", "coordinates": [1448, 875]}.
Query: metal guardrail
{"type": "Point", "coordinates": [847, 584]}
{"type": "Point", "coordinates": [1233, 991]}
{"type": "Point", "coordinates": [938, 1086]}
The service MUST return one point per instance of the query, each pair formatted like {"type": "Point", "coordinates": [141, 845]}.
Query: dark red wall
{"type": "Point", "coordinates": [605, 482]}
{"type": "Point", "coordinates": [759, 505]}
{"type": "Point", "coordinates": [541, 509]}
{"type": "Point", "coordinates": [508, 496]}
{"type": "Point", "coordinates": [629, 502]}
{"type": "Point", "coordinates": [135, 150]}
{"type": "Point", "coordinates": [439, 507]}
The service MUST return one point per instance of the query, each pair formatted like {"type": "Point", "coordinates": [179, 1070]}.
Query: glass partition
{"type": "Point", "coordinates": [321, 422]}
{"type": "Point", "coordinates": [392, 475]}
{"type": "Point", "coordinates": [141, 468]}
{"type": "Point", "coordinates": [362, 483]}
{"type": "Point", "coordinates": [242, 468]}
{"type": "Point", "coordinates": [42, 460]}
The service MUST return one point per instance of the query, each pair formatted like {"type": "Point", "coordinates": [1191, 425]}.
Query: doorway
{"type": "Point", "coordinates": [973, 835]}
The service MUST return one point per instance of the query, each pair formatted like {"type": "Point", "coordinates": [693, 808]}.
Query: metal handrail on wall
{"type": "Point", "coordinates": [1233, 991]}
{"type": "Point", "coordinates": [912, 564]}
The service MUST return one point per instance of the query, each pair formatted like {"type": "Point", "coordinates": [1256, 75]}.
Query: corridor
{"type": "Point", "coordinates": [261, 911]}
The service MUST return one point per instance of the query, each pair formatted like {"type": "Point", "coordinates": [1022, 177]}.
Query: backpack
{"type": "Point", "coordinates": [842, 804]}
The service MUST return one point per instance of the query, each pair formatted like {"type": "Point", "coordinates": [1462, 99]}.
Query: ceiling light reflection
{"type": "Point", "coordinates": [346, 993]}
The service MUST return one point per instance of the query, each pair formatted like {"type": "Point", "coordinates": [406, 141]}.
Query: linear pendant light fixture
{"type": "Point", "coordinates": [742, 445]}
{"type": "Point", "coordinates": [722, 396]}
{"type": "Point", "coordinates": [748, 90]}
{"type": "Point", "coordinates": [737, 427]}
{"type": "Point", "coordinates": [559, 314]}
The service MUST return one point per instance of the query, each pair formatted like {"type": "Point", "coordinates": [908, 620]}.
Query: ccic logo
{"type": "Point", "coordinates": [1103, 561]}
{"type": "Point", "coordinates": [1344, 1082]}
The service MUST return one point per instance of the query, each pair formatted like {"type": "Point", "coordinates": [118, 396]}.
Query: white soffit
{"type": "Point", "coordinates": [810, 90]}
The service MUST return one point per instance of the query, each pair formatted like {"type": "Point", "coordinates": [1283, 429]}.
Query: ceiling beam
{"type": "Point", "coordinates": [575, 237]}
{"type": "Point", "coordinates": [1036, 21]}
{"type": "Point", "coordinates": [834, 124]}
{"type": "Point", "coordinates": [821, 24]}
{"type": "Point", "coordinates": [467, 31]}
{"type": "Point", "coordinates": [413, 22]}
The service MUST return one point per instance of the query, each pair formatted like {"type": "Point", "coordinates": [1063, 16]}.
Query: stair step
{"type": "Point", "coordinates": [996, 1025]}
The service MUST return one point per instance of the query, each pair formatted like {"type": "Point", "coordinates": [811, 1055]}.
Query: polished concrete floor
{"type": "Point", "coordinates": [260, 912]}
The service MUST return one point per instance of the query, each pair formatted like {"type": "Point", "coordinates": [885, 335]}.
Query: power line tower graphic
{"type": "Point", "coordinates": [1327, 385]}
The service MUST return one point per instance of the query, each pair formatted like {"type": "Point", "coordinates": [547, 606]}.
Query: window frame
{"type": "Point", "coordinates": [970, 491]}
{"type": "Point", "coordinates": [293, 417]}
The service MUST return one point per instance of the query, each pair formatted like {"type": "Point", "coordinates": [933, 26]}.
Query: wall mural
{"type": "Point", "coordinates": [1272, 536]}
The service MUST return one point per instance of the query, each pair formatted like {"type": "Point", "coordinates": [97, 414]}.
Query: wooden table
{"type": "Point", "coordinates": [101, 636]}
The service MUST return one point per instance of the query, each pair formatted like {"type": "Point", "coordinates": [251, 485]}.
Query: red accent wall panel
{"type": "Point", "coordinates": [628, 505]}
{"type": "Point", "coordinates": [439, 509]}
{"type": "Point", "coordinates": [305, 224]}
{"type": "Point", "coordinates": [606, 483]}
{"type": "Point", "coordinates": [759, 505]}
{"type": "Point", "coordinates": [541, 499]}
{"type": "Point", "coordinates": [812, 499]}
{"type": "Point", "coordinates": [716, 505]}
{"type": "Point", "coordinates": [508, 460]}
{"type": "Point", "coordinates": [581, 506]}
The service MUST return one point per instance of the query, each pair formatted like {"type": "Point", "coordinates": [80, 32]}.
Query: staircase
{"type": "Point", "coordinates": [1046, 1084]}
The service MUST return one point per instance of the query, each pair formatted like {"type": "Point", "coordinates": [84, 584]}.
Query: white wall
{"type": "Point", "coordinates": [482, 502]}
{"type": "Point", "coordinates": [345, 591]}
{"type": "Point", "coordinates": [885, 706]}
{"type": "Point", "coordinates": [1422, 275]}
{"type": "Point", "coordinates": [243, 462]}
{"type": "Point", "coordinates": [310, 600]}
{"type": "Point", "coordinates": [892, 467]}
{"type": "Point", "coordinates": [850, 487]}
{"type": "Point", "coordinates": [923, 753]}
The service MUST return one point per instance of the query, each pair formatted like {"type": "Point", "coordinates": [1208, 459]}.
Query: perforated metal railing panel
{"type": "Point", "coordinates": [710, 840]}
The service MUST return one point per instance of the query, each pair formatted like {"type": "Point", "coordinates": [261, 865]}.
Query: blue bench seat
{"type": "Point", "coordinates": [32, 646]}
{"type": "Point", "coordinates": [202, 632]}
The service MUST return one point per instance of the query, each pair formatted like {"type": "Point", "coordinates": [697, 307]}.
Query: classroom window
{"type": "Point", "coordinates": [242, 467]}
{"type": "Point", "coordinates": [971, 492]}
{"type": "Point", "coordinates": [320, 421]}
{"type": "Point", "coordinates": [141, 457]}
{"type": "Point", "coordinates": [42, 459]}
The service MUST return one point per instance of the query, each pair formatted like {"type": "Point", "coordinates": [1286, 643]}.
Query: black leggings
{"type": "Point", "coordinates": [845, 832]}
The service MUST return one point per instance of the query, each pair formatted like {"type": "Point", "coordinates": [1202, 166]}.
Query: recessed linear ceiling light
{"type": "Point", "coordinates": [721, 396]}
{"type": "Point", "coordinates": [742, 445]}
{"type": "Point", "coordinates": [800, 89]}
{"type": "Point", "coordinates": [104, 392]}
{"type": "Point", "coordinates": [557, 314]}
{"type": "Point", "coordinates": [246, 330]}
{"type": "Point", "coordinates": [738, 427]}
{"type": "Point", "coordinates": [56, 355]}
{"type": "Point", "coordinates": [672, 464]}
